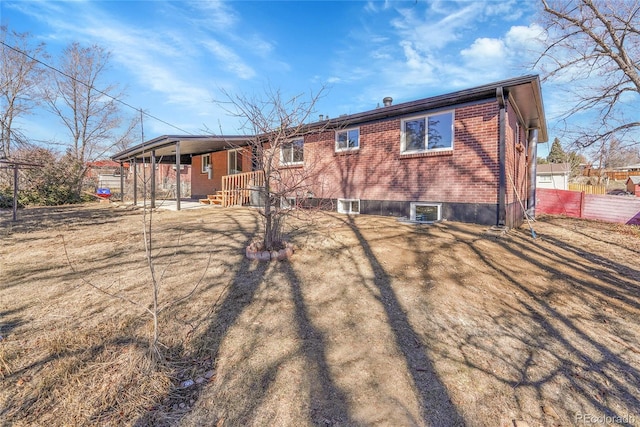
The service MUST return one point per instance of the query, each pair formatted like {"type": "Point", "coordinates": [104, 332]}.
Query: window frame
{"type": "Point", "coordinates": [426, 149]}
{"type": "Point", "coordinates": [347, 148]}
{"type": "Point", "coordinates": [203, 166]}
{"type": "Point", "coordinates": [288, 202]}
{"type": "Point", "coordinates": [350, 211]}
{"type": "Point", "coordinates": [412, 215]}
{"type": "Point", "coordinates": [237, 155]}
{"type": "Point", "coordinates": [291, 143]}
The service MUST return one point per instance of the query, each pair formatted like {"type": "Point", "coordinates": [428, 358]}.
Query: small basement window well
{"type": "Point", "coordinates": [426, 212]}
{"type": "Point", "coordinates": [349, 206]}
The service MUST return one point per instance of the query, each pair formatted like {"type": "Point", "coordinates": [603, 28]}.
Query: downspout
{"type": "Point", "coordinates": [533, 160]}
{"type": "Point", "coordinates": [135, 181]}
{"type": "Point", "coordinates": [178, 175]}
{"type": "Point", "coordinates": [121, 181]}
{"type": "Point", "coordinates": [502, 183]}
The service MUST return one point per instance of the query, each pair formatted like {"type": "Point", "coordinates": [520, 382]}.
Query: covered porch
{"type": "Point", "coordinates": [180, 150]}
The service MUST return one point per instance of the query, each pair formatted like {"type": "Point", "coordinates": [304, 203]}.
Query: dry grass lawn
{"type": "Point", "coordinates": [371, 323]}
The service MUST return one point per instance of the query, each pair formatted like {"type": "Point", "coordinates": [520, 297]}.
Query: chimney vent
{"type": "Point", "coordinates": [321, 117]}
{"type": "Point", "coordinates": [387, 101]}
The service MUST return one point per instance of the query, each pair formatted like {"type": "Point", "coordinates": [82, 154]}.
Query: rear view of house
{"type": "Point", "coordinates": [465, 156]}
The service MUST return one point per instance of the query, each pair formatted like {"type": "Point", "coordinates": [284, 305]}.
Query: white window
{"type": "Point", "coordinates": [206, 163]}
{"type": "Point", "coordinates": [426, 212]}
{"type": "Point", "coordinates": [349, 206]}
{"type": "Point", "coordinates": [292, 153]}
{"type": "Point", "coordinates": [235, 161]}
{"type": "Point", "coordinates": [348, 139]}
{"type": "Point", "coordinates": [288, 203]}
{"type": "Point", "coordinates": [427, 133]}
{"type": "Point", "coordinates": [545, 178]}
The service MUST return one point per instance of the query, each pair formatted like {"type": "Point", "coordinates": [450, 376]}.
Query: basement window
{"type": "Point", "coordinates": [426, 212]}
{"type": "Point", "coordinates": [349, 206]}
{"type": "Point", "coordinates": [288, 203]}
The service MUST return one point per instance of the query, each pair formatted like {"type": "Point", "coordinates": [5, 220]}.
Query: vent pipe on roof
{"type": "Point", "coordinates": [387, 101]}
{"type": "Point", "coordinates": [321, 117]}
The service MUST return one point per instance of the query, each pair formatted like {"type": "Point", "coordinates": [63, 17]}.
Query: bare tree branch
{"type": "Point", "coordinates": [593, 49]}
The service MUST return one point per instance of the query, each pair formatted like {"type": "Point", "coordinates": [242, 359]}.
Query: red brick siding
{"type": "Point", "coordinates": [201, 184]}
{"type": "Point", "coordinates": [377, 171]}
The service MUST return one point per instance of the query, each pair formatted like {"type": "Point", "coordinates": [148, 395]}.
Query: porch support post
{"type": "Point", "coordinates": [121, 181]}
{"type": "Point", "coordinates": [178, 175]}
{"type": "Point", "coordinates": [15, 192]}
{"type": "Point", "coordinates": [153, 179]}
{"type": "Point", "coordinates": [135, 181]}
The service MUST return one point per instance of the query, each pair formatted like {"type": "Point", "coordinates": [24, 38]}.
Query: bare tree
{"type": "Point", "coordinates": [278, 149]}
{"type": "Point", "coordinates": [593, 49]}
{"type": "Point", "coordinates": [89, 111]}
{"type": "Point", "coordinates": [20, 75]}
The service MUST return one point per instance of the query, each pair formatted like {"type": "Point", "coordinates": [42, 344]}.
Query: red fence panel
{"type": "Point", "coordinates": [559, 202]}
{"type": "Point", "coordinates": [618, 209]}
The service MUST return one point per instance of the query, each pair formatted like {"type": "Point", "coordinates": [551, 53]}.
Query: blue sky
{"type": "Point", "coordinates": [174, 58]}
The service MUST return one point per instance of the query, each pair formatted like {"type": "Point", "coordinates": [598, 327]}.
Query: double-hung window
{"type": "Point", "coordinates": [292, 153]}
{"type": "Point", "coordinates": [433, 132]}
{"type": "Point", "coordinates": [348, 139]}
{"type": "Point", "coordinates": [206, 163]}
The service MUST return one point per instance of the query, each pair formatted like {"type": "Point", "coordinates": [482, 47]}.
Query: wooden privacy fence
{"type": "Point", "coordinates": [615, 175]}
{"type": "Point", "coordinates": [577, 204]}
{"type": "Point", "coordinates": [588, 189]}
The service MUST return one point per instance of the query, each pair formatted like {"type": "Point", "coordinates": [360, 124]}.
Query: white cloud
{"type": "Point", "coordinates": [520, 36]}
{"type": "Point", "coordinates": [484, 51]}
{"type": "Point", "coordinates": [214, 14]}
{"type": "Point", "coordinates": [229, 59]}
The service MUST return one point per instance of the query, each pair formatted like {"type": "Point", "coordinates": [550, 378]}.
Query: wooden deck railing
{"type": "Point", "coordinates": [236, 189]}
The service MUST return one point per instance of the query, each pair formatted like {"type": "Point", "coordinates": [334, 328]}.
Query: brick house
{"type": "Point", "coordinates": [465, 156]}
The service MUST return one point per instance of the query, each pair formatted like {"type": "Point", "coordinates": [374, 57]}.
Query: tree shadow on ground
{"type": "Point", "coordinates": [552, 345]}
{"type": "Point", "coordinates": [235, 298]}
{"type": "Point", "coordinates": [435, 403]}
{"type": "Point", "coordinates": [55, 217]}
{"type": "Point", "coordinates": [328, 404]}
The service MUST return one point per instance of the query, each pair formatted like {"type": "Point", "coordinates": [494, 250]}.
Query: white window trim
{"type": "Point", "coordinates": [337, 149]}
{"type": "Point", "coordinates": [413, 210]}
{"type": "Point", "coordinates": [203, 167]}
{"type": "Point", "coordinates": [340, 210]}
{"type": "Point", "coordinates": [403, 142]}
{"type": "Point", "coordinates": [288, 202]}
{"type": "Point", "coordinates": [286, 163]}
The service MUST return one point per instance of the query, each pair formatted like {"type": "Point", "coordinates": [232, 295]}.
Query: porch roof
{"type": "Point", "coordinates": [190, 145]}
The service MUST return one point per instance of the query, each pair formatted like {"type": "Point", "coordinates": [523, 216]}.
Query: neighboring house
{"type": "Point", "coordinates": [465, 156]}
{"type": "Point", "coordinates": [105, 173]}
{"type": "Point", "coordinates": [629, 168]}
{"type": "Point", "coordinates": [633, 185]}
{"type": "Point", "coordinates": [553, 175]}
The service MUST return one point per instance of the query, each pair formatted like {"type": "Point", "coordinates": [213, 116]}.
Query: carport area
{"type": "Point", "coordinates": [177, 150]}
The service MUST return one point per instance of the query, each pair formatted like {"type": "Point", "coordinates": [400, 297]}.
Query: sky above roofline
{"type": "Point", "coordinates": [175, 59]}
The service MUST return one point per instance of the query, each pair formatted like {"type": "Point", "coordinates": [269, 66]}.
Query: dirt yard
{"type": "Point", "coordinates": [371, 323]}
